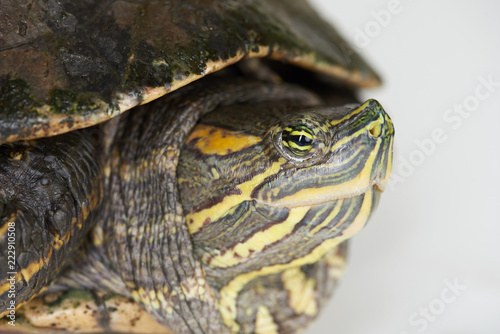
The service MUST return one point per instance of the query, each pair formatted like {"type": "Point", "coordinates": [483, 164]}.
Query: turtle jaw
{"type": "Point", "coordinates": [324, 196]}
{"type": "Point", "coordinates": [381, 184]}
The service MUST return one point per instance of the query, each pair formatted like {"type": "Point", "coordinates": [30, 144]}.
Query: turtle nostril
{"type": "Point", "coordinates": [375, 129]}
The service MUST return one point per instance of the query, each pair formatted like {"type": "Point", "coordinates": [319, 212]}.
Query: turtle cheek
{"type": "Point", "coordinates": [330, 181]}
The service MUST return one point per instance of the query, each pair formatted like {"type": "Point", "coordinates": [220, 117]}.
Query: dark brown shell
{"type": "Point", "coordinates": [67, 64]}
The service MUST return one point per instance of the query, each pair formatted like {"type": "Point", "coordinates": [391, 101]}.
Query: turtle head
{"type": "Point", "coordinates": [281, 188]}
{"type": "Point", "coordinates": [332, 154]}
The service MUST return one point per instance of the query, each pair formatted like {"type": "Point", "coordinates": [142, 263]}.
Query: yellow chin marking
{"type": "Point", "coordinates": [214, 140]}
{"type": "Point", "coordinates": [264, 322]}
{"type": "Point", "coordinates": [330, 217]}
{"type": "Point", "coordinates": [197, 219]}
{"type": "Point", "coordinates": [229, 293]}
{"type": "Point", "coordinates": [243, 251]}
{"type": "Point", "coordinates": [300, 291]}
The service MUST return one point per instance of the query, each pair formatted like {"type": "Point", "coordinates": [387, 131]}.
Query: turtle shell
{"type": "Point", "coordinates": [66, 65]}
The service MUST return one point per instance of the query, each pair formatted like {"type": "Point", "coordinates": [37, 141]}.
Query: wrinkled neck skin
{"type": "Point", "coordinates": [275, 238]}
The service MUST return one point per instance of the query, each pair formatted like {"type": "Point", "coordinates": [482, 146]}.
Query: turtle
{"type": "Point", "coordinates": [190, 166]}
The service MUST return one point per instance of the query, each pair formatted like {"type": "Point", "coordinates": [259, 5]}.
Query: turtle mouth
{"type": "Point", "coordinates": [317, 196]}
{"type": "Point", "coordinates": [380, 185]}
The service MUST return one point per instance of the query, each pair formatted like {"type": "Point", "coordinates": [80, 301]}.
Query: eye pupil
{"type": "Point", "coordinates": [298, 139]}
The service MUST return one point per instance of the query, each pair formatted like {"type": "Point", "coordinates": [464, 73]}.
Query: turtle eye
{"type": "Point", "coordinates": [298, 139]}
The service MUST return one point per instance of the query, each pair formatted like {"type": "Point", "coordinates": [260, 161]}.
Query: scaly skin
{"type": "Point", "coordinates": [51, 192]}
{"type": "Point", "coordinates": [147, 243]}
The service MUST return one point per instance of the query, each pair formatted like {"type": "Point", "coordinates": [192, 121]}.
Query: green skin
{"type": "Point", "coordinates": [140, 246]}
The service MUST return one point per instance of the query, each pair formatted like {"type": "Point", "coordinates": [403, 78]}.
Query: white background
{"type": "Point", "coordinates": [442, 221]}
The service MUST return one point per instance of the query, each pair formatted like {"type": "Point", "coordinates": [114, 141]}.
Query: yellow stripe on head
{"type": "Point", "coordinates": [214, 140]}
{"type": "Point", "coordinates": [352, 114]}
{"type": "Point", "coordinates": [196, 220]}
{"type": "Point", "coordinates": [229, 293]}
